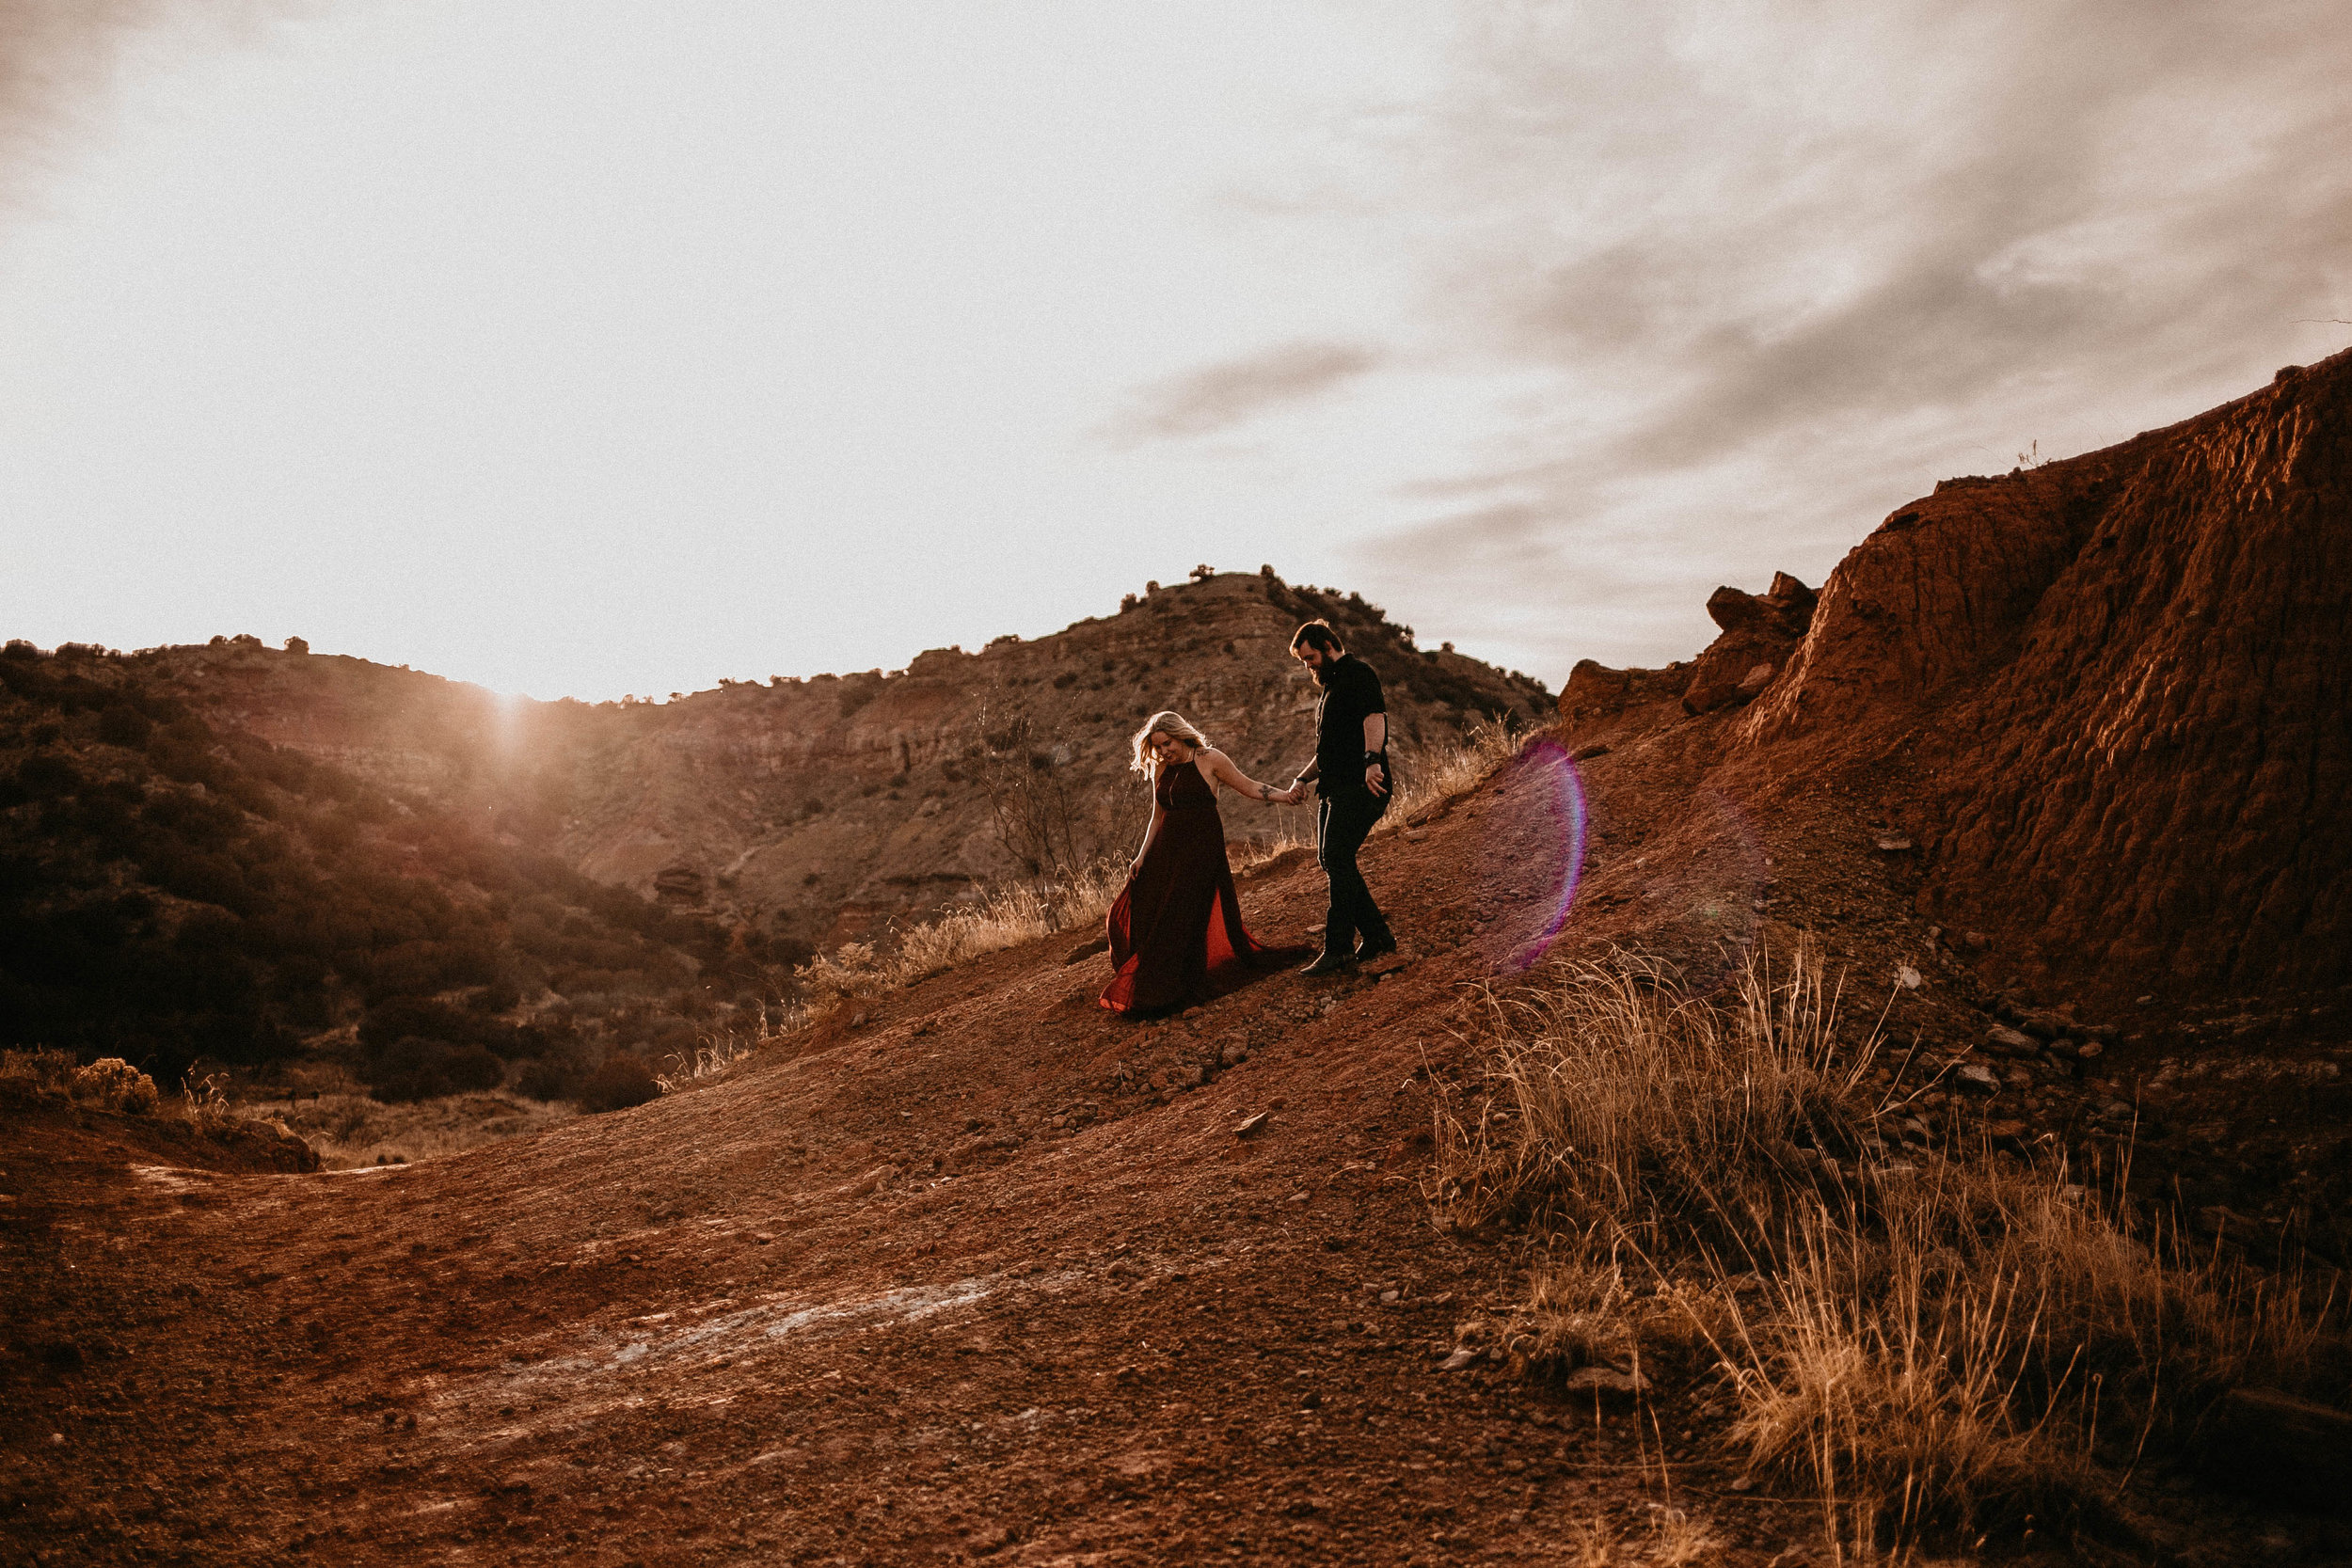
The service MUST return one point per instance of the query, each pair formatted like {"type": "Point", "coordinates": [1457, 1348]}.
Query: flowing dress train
{"type": "Point", "coordinates": [1176, 933]}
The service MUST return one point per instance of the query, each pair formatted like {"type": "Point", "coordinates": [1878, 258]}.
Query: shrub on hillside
{"type": "Point", "coordinates": [620, 1082]}
{"type": "Point", "coordinates": [119, 725]}
{"type": "Point", "coordinates": [112, 1084]}
{"type": "Point", "coordinates": [36, 1074]}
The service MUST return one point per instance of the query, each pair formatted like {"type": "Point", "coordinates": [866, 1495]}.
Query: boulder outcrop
{"type": "Point", "coordinates": [2107, 694]}
{"type": "Point", "coordinates": [1759, 633]}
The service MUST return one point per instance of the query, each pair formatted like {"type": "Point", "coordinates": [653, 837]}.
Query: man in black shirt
{"type": "Point", "coordinates": [1351, 775]}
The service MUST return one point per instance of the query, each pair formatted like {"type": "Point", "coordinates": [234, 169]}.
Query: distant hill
{"type": "Point", "coordinates": [172, 890]}
{"type": "Point", "coordinates": [812, 811]}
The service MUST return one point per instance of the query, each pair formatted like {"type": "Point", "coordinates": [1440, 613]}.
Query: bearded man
{"type": "Point", "coordinates": [1351, 778]}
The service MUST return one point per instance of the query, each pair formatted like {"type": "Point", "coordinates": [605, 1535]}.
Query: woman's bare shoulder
{"type": "Point", "coordinates": [1215, 766]}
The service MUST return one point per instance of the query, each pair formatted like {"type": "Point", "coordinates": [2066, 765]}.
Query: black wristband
{"type": "Point", "coordinates": [1380, 756]}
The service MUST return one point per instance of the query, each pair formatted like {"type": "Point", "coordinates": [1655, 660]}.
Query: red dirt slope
{"type": "Point", "coordinates": [987, 1275]}
{"type": "Point", "coordinates": [2117, 684]}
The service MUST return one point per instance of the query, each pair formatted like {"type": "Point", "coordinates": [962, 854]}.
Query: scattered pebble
{"type": "Point", "coordinates": [1605, 1380]}
{"type": "Point", "coordinates": [2004, 1041]}
{"type": "Point", "coordinates": [1977, 1078]}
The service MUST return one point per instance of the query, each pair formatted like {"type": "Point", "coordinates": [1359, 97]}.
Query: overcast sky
{"type": "Point", "coordinates": [580, 347]}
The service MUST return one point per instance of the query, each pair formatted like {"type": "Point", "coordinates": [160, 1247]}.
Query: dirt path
{"type": "Point", "coordinates": [986, 1273]}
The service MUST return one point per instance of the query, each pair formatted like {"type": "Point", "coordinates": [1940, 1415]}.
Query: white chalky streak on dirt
{"type": "Point", "coordinates": [573, 1387]}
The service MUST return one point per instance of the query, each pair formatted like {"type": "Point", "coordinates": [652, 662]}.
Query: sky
{"type": "Point", "coordinates": [580, 347]}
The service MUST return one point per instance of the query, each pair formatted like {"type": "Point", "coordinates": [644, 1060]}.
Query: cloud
{"type": "Point", "coordinates": [1783, 265]}
{"type": "Point", "coordinates": [58, 60]}
{"type": "Point", "coordinates": [1218, 397]}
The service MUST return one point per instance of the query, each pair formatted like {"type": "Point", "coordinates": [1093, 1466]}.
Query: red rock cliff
{"type": "Point", "coordinates": [2121, 681]}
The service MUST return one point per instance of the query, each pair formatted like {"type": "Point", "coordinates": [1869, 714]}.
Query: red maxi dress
{"type": "Point", "coordinates": [1176, 932]}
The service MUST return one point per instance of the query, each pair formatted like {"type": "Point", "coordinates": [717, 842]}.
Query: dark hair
{"type": "Point", "coordinates": [1320, 635]}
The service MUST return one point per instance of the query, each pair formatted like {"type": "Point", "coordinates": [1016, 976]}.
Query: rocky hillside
{"type": "Point", "coordinates": [812, 809]}
{"type": "Point", "coordinates": [2099, 705]}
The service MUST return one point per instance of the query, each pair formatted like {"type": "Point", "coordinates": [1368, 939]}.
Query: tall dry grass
{"type": "Point", "coordinates": [1001, 918]}
{"type": "Point", "coordinates": [1445, 771]}
{"type": "Point", "coordinates": [1288, 831]}
{"type": "Point", "coordinates": [722, 1046]}
{"type": "Point", "coordinates": [1926, 1342]}
{"type": "Point", "coordinates": [348, 1131]}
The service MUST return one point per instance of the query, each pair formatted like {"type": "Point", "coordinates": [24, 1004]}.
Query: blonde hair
{"type": "Point", "coordinates": [1168, 722]}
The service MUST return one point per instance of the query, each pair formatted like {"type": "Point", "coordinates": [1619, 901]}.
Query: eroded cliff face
{"type": "Point", "coordinates": [2107, 696]}
{"type": "Point", "coordinates": [820, 807]}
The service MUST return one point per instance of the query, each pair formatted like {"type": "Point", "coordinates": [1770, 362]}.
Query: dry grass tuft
{"type": "Point", "coordinates": [1290, 830]}
{"type": "Point", "coordinates": [351, 1130]}
{"type": "Point", "coordinates": [1006, 917]}
{"type": "Point", "coordinates": [1446, 772]}
{"type": "Point", "coordinates": [721, 1049]}
{"type": "Point", "coordinates": [1626, 1105]}
{"type": "Point", "coordinates": [205, 1101]}
{"type": "Point", "coordinates": [1677, 1540]}
{"type": "Point", "coordinates": [1681, 1540]}
{"type": "Point", "coordinates": [1926, 1343]}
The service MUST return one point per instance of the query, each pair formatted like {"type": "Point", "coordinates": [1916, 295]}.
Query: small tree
{"type": "Point", "coordinates": [1043, 818]}
{"type": "Point", "coordinates": [1203, 572]}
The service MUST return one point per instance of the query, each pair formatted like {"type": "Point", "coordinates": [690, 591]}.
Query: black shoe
{"type": "Point", "coordinates": [1375, 947]}
{"type": "Point", "coordinates": [1329, 963]}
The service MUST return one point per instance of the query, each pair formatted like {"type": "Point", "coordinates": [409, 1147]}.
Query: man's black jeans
{"type": "Point", "coordinates": [1342, 823]}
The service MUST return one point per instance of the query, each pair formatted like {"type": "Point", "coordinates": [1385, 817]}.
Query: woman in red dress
{"type": "Point", "coordinates": [1176, 932]}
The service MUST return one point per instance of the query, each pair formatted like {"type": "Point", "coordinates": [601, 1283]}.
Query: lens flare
{"type": "Point", "coordinates": [1530, 855]}
{"type": "Point", "coordinates": [1723, 887]}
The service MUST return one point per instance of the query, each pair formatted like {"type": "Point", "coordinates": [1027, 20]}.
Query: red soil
{"type": "Point", "coordinates": [866, 1303]}
{"type": "Point", "coordinates": [2117, 690]}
